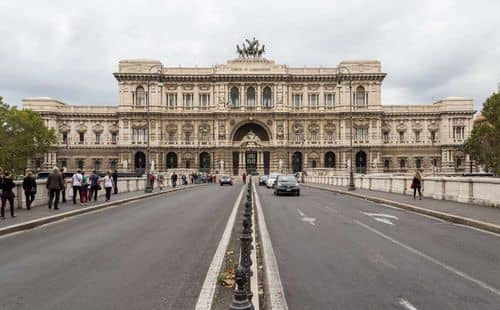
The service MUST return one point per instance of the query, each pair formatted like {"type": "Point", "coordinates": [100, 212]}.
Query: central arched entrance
{"type": "Point", "coordinates": [250, 156]}
{"type": "Point", "coordinates": [140, 162]}
{"type": "Point", "coordinates": [171, 160]}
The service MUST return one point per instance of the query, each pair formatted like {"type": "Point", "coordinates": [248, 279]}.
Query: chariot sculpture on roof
{"type": "Point", "coordinates": [251, 50]}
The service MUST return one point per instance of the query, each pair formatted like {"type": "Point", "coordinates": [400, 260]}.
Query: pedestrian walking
{"type": "Point", "coordinates": [108, 185]}
{"type": "Point", "coordinates": [161, 180]}
{"type": "Point", "coordinates": [94, 185]}
{"type": "Point", "coordinates": [416, 185]}
{"type": "Point", "coordinates": [173, 178]}
{"type": "Point", "coordinates": [7, 194]}
{"type": "Point", "coordinates": [115, 182]}
{"type": "Point", "coordinates": [84, 190]}
{"type": "Point", "coordinates": [55, 183]}
{"type": "Point", "coordinates": [76, 183]}
{"type": "Point", "coordinates": [244, 178]}
{"type": "Point", "coordinates": [184, 179]}
{"type": "Point", "coordinates": [63, 191]}
{"type": "Point", "coordinates": [29, 187]}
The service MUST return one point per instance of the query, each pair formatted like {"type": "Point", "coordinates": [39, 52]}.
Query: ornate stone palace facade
{"type": "Point", "coordinates": [252, 114]}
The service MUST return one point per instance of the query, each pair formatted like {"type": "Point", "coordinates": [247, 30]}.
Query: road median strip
{"type": "Point", "coordinates": [57, 217]}
{"type": "Point", "coordinates": [438, 214]}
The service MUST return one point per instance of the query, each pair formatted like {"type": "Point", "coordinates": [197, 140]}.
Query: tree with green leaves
{"type": "Point", "coordinates": [23, 135]}
{"type": "Point", "coordinates": [484, 142]}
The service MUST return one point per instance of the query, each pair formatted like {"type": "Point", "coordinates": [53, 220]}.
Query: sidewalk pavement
{"type": "Point", "coordinates": [478, 216]}
{"type": "Point", "coordinates": [38, 212]}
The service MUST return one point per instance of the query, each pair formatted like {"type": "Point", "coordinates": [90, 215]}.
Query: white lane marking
{"type": "Point", "coordinates": [407, 304]}
{"type": "Point", "coordinates": [307, 219]}
{"type": "Point", "coordinates": [385, 221]}
{"type": "Point", "coordinates": [381, 215]}
{"type": "Point", "coordinates": [421, 214]}
{"type": "Point", "coordinates": [208, 289]}
{"type": "Point", "coordinates": [277, 298]}
{"type": "Point", "coordinates": [477, 229]}
{"type": "Point", "coordinates": [457, 272]}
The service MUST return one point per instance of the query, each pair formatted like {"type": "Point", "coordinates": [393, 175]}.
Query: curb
{"type": "Point", "coordinates": [57, 217]}
{"type": "Point", "coordinates": [438, 214]}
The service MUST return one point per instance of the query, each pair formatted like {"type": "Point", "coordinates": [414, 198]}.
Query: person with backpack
{"type": "Point", "coordinates": [94, 185]}
{"type": "Point", "coordinates": [7, 194]}
{"type": "Point", "coordinates": [76, 182]}
{"type": "Point", "coordinates": [29, 186]}
{"type": "Point", "coordinates": [174, 179]}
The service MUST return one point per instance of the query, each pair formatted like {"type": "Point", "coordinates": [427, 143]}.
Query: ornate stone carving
{"type": "Point", "coordinates": [252, 49]}
{"type": "Point", "coordinates": [64, 128]}
{"type": "Point", "coordinates": [433, 126]}
{"type": "Point", "coordinates": [98, 128]}
{"type": "Point", "coordinates": [114, 128]}
{"type": "Point", "coordinates": [401, 126]}
{"type": "Point", "coordinates": [313, 128]}
{"type": "Point", "coordinates": [251, 140]}
{"type": "Point", "coordinates": [204, 128]}
{"type": "Point", "coordinates": [139, 124]}
{"type": "Point", "coordinates": [298, 128]}
{"type": "Point", "coordinates": [280, 134]}
{"type": "Point", "coordinates": [81, 128]}
{"type": "Point", "coordinates": [269, 122]}
{"type": "Point", "coordinates": [417, 125]}
{"type": "Point", "coordinates": [386, 126]}
{"type": "Point", "coordinates": [187, 127]}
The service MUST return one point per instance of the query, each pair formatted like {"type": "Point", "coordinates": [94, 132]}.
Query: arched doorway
{"type": "Point", "coordinates": [329, 160]}
{"type": "Point", "coordinates": [245, 129]}
{"type": "Point", "coordinates": [297, 162]}
{"type": "Point", "coordinates": [140, 162]}
{"type": "Point", "coordinates": [204, 163]}
{"type": "Point", "coordinates": [361, 162]}
{"type": "Point", "coordinates": [171, 160]}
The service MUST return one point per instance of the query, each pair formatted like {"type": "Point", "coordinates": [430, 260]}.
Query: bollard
{"type": "Point", "coordinates": [245, 257]}
{"type": "Point", "coordinates": [240, 298]}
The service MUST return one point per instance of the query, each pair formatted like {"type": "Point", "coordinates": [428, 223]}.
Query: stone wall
{"type": "Point", "coordinates": [479, 190]}
{"type": "Point", "coordinates": [124, 185]}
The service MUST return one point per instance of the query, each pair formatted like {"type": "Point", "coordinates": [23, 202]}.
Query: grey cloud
{"type": "Point", "coordinates": [69, 50]}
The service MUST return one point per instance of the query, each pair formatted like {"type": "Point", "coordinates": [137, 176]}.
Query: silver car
{"type": "Point", "coordinates": [270, 180]}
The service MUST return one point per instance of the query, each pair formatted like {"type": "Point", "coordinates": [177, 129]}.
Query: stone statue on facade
{"type": "Point", "coordinates": [251, 50]}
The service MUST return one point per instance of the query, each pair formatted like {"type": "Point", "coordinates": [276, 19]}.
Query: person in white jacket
{"type": "Point", "coordinates": [76, 182]}
{"type": "Point", "coordinates": [108, 185]}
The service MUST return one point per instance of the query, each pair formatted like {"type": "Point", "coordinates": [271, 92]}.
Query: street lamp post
{"type": "Point", "coordinates": [351, 186]}
{"type": "Point", "coordinates": [149, 184]}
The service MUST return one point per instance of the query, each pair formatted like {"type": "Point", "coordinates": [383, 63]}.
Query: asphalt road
{"type": "Point", "coordinates": [338, 252]}
{"type": "Point", "coordinates": [152, 254]}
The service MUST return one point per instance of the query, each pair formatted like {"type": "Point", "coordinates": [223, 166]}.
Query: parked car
{"type": "Point", "coordinates": [262, 180]}
{"type": "Point", "coordinates": [270, 180]}
{"type": "Point", "coordinates": [225, 179]}
{"type": "Point", "coordinates": [286, 184]}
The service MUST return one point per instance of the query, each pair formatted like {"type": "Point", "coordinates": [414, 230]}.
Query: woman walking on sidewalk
{"type": "Point", "coordinates": [416, 184]}
{"type": "Point", "coordinates": [7, 195]}
{"type": "Point", "coordinates": [108, 185]}
{"type": "Point", "coordinates": [84, 190]}
{"type": "Point", "coordinates": [29, 186]}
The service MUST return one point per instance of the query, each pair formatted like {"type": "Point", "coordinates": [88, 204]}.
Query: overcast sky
{"type": "Point", "coordinates": [68, 50]}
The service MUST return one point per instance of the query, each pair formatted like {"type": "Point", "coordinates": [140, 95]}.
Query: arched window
{"type": "Point", "coordinates": [360, 96]}
{"type": "Point", "coordinates": [140, 96]}
{"type": "Point", "coordinates": [251, 97]}
{"type": "Point", "coordinates": [330, 160]}
{"type": "Point", "coordinates": [171, 160]}
{"type": "Point", "coordinates": [267, 96]}
{"type": "Point", "coordinates": [235, 96]}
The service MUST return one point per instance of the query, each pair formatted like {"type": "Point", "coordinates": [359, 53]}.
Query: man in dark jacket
{"type": "Point", "coordinates": [174, 179]}
{"type": "Point", "coordinates": [29, 186]}
{"type": "Point", "coordinates": [7, 194]}
{"type": "Point", "coordinates": [55, 183]}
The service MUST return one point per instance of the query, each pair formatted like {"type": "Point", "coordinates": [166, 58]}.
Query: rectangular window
{"type": "Point", "coordinates": [418, 163]}
{"type": "Point", "coordinates": [297, 100]}
{"type": "Point", "coordinates": [81, 138]}
{"type": "Point", "coordinates": [402, 164]}
{"type": "Point", "coordinates": [204, 101]}
{"type": "Point", "coordinates": [97, 138]}
{"type": "Point", "coordinates": [204, 137]}
{"type": "Point", "coordinates": [313, 101]}
{"type": "Point", "coordinates": [171, 100]}
{"type": "Point", "coordinates": [385, 136]}
{"type": "Point", "coordinates": [330, 100]}
{"type": "Point", "coordinates": [171, 137]}
{"type": "Point", "coordinates": [417, 136]}
{"type": "Point", "coordinates": [187, 101]}
{"type": "Point", "coordinates": [187, 137]}
{"type": "Point", "coordinates": [114, 138]}
{"type": "Point", "coordinates": [361, 134]}
{"type": "Point", "coordinates": [298, 137]}
{"type": "Point", "coordinates": [401, 137]}
{"type": "Point", "coordinates": [329, 136]}
{"type": "Point", "coordinates": [313, 137]}
{"type": "Point", "coordinates": [387, 164]}
{"type": "Point", "coordinates": [458, 133]}
{"type": "Point", "coordinates": [433, 136]}
{"type": "Point", "coordinates": [65, 138]}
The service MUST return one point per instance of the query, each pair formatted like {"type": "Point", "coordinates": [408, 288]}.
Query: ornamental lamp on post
{"type": "Point", "coordinates": [351, 186]}
{"type": "Point", "coordinates": [149, 183]}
